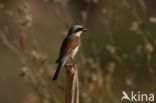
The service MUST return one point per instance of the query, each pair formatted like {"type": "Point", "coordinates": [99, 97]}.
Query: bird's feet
{"type": "Point", "coordinates": [74, 65]}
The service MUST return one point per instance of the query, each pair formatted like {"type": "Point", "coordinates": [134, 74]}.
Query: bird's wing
{"type": "Point", "coordinates": [68, 45]}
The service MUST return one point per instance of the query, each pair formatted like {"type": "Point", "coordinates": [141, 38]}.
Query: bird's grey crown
{"type": "Point", "coordinates": [75, 28]}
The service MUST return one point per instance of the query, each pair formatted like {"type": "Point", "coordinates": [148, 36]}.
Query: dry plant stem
{"type": "Point", "coordinates": [12, 47]}
{"type": "Point", "coordinates": [72, 84]}
{"type": "Point", "coordinates": [144, 31]}
{"type": "Point", "coordinates": [58, 14]}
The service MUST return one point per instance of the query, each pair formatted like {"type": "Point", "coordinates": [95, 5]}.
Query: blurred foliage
{"type": "Point", "coordinates": [117, 53]}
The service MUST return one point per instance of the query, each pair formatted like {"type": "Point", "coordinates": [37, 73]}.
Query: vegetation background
{"type": "Point", "coordinates": [117, 53]}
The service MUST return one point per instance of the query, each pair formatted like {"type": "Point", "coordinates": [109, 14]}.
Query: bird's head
{"type": "Point", "coordinates": [76, 30]}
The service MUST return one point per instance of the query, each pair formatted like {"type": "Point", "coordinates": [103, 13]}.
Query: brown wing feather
{"type": "Point", "coordinates": [68, 45]}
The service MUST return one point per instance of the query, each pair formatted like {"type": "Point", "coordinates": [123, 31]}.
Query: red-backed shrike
{"type": "Point", "coordinates": [69, 47]}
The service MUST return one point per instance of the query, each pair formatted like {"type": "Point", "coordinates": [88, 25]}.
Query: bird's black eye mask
{"type": "Point", "coordinates": [79, 29]}
{"type": "Point", "coordinates": [75, 31]}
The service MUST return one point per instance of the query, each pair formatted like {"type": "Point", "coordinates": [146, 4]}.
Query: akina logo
{"type": "Point", "coordinates": [138, 96]}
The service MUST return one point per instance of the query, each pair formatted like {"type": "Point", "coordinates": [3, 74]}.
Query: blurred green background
{"type": "Point", "coordinates": [117, 53]}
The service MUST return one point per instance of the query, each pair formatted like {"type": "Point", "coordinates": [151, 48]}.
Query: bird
{"type": "Point", "coordinates": [69, 48]}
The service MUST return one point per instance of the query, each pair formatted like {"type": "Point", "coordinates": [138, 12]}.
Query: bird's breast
{"type": "Point", "coordinates": [74, 52]}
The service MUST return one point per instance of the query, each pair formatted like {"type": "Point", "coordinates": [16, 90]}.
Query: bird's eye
{"type": "Point", "coordinates": [79, 29]}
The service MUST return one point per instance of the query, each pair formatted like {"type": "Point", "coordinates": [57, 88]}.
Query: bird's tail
{"type": "Point", "coordinates": [60, 64]}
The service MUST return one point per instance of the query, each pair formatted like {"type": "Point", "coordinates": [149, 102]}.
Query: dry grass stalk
{"type": "Point", "coordinates": [72, 84]}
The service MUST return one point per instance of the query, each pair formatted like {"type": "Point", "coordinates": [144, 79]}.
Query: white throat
{"type": "Point", "coordinates": [78, 34]}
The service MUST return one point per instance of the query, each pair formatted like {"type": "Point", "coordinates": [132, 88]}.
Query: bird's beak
{"type": "Point", "coordinates": [84, 30]}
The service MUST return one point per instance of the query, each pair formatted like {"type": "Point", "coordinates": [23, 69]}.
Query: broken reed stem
{"type": "Point", "coordinates": [72, 84]}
